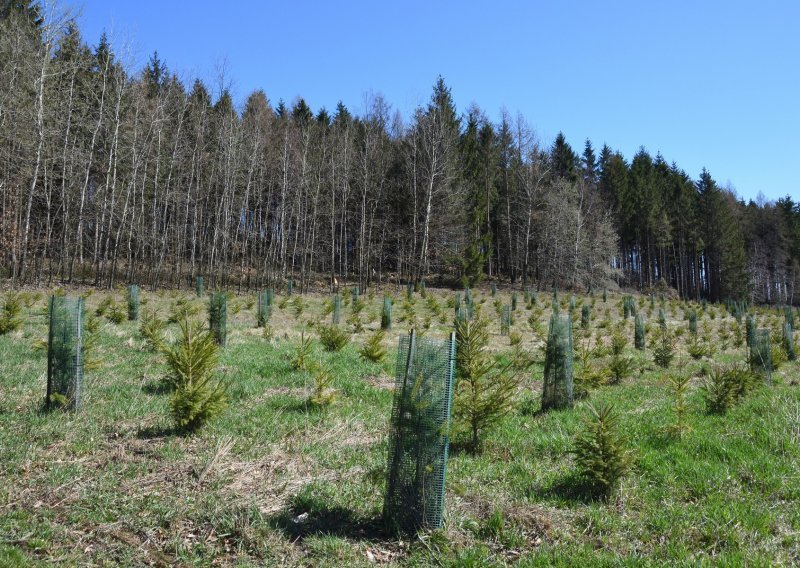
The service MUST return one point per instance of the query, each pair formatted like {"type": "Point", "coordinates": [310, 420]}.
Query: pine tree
{"type": "Point", "coordinates": [601, 453]}
{"type": "Point", "coordinates": [10, 319]}
{"type": "Point", "coordinates": [373, 349]}
{"type": "Point", "coordinates": [197, 397]}
{"type": "Point", "coordinates": [723, 247]}
{"type": "Point", "coordinates": [155, 75]}
{"type": "Point", "coordinates": [563, 158]}
{"type": "Point", "coordinates": [301, 113]}
{"type": "Point", "coordinates": [29, 11]}
{"type": "Point", "coordinates": [322, 394]}
{"type": "Point", "coordinates": [589, 167]}
{"type": "Point", "coordinates": [477, 154]}
{"type": "Point", "coordinates": [152, 329]}
{"type": "Point", "coordinates": [664, 350]}
{"type": "Point", "coordinates": [281, 110]}
{"type": "Point", "coordinates": [485, 392]}
{"type": "Point", "coordinates": [679, 384]}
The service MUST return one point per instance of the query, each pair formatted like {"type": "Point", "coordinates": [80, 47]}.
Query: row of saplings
{"type": "Point", "coordinates": [485, 386]}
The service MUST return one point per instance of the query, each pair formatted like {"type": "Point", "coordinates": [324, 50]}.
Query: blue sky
{"type": "Point", "coordinates": [708, 84]}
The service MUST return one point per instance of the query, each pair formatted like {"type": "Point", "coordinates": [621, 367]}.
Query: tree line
{"type": "Point", "coordinates": [110, 175]}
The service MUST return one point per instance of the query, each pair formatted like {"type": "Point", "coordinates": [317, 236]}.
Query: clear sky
{"type": "Point", "coordinates": [712, 84]}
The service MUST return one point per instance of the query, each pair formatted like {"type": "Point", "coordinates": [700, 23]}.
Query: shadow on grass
{"type": "Point", "coordinates": [460, 447]}
{"type": "Point", "coordinates": [312, 517]}
{"type": "Point", "coordinates": [299, 405]}
{"type": "Point", "coordinates": [661, 439]}
{"type": "Point", "coordinates": [533, 407]}
{"type": "Point", "coordinates": [157, 431]}
{"type": "Point", "coordinates": [571, 488]}
{"type": "Point", "coordinates": [530, 407]}
{"type": "Point", "coordinates": [158, 387]}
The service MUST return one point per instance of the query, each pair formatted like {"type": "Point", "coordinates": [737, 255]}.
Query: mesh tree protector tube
{"type": "Point", "coordinates": [750, 330]}
{"type": "Point", "coordinates": [419, 434]}
{"type": "Point", "coordinates": [218, 317]}
{"type": "Point", "coordinates": [134, 302]}
{"type": "Point", "coordinates": [336, 314]}
{"type": "Point", "coordinates": [788, 342]}
{"type": "Point", "coordinates": [264, 308]}
{"type": "Point", "coordinates": [65, 353]}
{"type": "Point", "coordinates": [558, 374]}
{"type": "Point", "coordinates": [693, 322]}
{"type": "Point", "coordinates": [761, 355]}
{"type": "Point", "coordinates": [386, 314]}
{"type": "Point", "coordinates": [505, 320]}
{"type": "Point", "coordinates": [638, 333]}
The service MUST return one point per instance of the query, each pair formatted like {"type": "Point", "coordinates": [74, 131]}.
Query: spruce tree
{"type": "Point", "coordinates": [197, 396]}
{"type": "Point", "coordinates": [601, 451]}
{"type": "Point", "coordinates": [485, 392]}
{"type": "Point", "coordinates": [563, 158]}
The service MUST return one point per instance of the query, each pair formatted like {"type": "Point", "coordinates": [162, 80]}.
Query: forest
{"type": "Point", "coordinates": [113, 175]}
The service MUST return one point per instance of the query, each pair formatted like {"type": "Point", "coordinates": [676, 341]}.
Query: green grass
{"type": "Point", "coordinates": [276, 481]}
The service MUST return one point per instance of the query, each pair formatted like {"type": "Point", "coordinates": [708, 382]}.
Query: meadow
{"type": "Point", "coordinates": [279, 480]}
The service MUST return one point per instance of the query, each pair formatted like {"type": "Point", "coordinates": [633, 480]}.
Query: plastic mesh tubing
{"type": "Point", "coordinates": [218, 315]}
{"type": "Point", "coordinates": [65, 351]}
{"type": "Point", "coordinates": [557, 388]}
{"type": "Point", "coordinates": [418, 443]}
{"type": "Point", "coordinates": [761, 354]}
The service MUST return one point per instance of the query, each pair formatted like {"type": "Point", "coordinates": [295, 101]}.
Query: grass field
{"type": "Point", "coordinates": [277, 482]}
